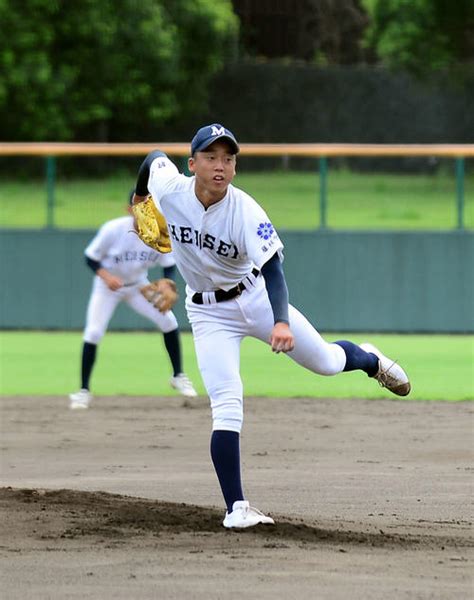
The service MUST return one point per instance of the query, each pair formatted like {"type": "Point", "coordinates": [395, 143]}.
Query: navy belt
{"type": "Point", "coordinates": [223, 295]}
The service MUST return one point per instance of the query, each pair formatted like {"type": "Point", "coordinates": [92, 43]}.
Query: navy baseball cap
{"type": "Point", "coordinates": [209, 134]}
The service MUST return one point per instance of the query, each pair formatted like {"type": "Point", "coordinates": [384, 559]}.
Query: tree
{"type": "Point", "coordinates": [94, 69]}
{"type": "Point", "coordinates": [325, 31]}
{"type": "Point", "coordinates": [422, 36]}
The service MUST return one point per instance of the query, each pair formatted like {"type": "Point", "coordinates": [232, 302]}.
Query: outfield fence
{"type": "Point", "coordinates": [343, 280]}
{"type": "Point", "coordinates": [321, 152]}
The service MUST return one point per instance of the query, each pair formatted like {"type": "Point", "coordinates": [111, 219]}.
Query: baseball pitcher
{"type": "Point", "coordinates": [231, 256]}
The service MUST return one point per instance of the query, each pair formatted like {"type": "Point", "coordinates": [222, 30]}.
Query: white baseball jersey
{"type": "Point", "coordinates": [214, 247]}
{"type": "Point", "coordinates": [119, 250]}
{"type": "Point", "coordinates": [217, 248]}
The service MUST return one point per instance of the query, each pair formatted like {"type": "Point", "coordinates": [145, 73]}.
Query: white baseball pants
{"type": "Point", "coordinates": [218, 330]}
{"type": "Point", "coordinates": [102, 305]}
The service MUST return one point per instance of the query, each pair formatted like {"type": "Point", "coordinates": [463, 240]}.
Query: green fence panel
{"type": "Point", "coordinates": [346, 281]}
{"type": "Point", "coordinates": [59, 282]}
{"type": "Point", "coordinates": [397, 281]}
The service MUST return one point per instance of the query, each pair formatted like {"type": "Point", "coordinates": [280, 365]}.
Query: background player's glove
{"type": "Point", "coordinates": [162, 293]}
{"type": "Point", "coordinates": [151, 226]}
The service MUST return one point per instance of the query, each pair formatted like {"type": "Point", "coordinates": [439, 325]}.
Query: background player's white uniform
{"type": "Point", "coordinates": [119, 250]}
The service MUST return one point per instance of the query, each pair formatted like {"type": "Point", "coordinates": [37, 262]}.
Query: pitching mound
{"type": "Point", "coordinates": [69, 514]}
{"type": "Point", "coordinates": [372, 499]}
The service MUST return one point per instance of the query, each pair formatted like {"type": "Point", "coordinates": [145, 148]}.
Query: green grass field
{"type": "Point", "coordinates": [46, 363]}
{"type": "Point", "coordinates": [355, 200]}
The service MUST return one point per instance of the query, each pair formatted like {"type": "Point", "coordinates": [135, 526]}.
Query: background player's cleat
{"type": "Point", "coordinates": [390, 375]}
{"type": "Point", "coordinates": [244, 515]}
{"type": "Point", "coordinates": [183, 385]}
{"type": "Point", "coordinates": [80, 400]}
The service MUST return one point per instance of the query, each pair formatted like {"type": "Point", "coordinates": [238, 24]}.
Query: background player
{"type": "Point", "coordinates": [120, 261]}
{"type": "Point", "coordinates": [231, 259]}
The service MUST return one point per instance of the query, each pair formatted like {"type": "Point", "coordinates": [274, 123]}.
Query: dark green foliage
{"type": "Point", "coordinates": [422, 35]}
{"type": "Point", "coordinates": [92, 70]}
{"type": "Point", "coordinates": [281, 103]}
{"type": "Point", "coordinates": [315, 31]}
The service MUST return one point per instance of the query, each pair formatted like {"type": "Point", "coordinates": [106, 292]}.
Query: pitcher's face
{"type": "Point", "coordinates": [214, 169]}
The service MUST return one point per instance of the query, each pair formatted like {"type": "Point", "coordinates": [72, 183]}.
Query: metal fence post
{"type": "Point", "coordinates": [323, 172]}
{"type": "Point", "coordinates": [50, 182]}
{"type": "Point", "coordinates": [184, 165]}
{"type": "Point", "coordinates": [460, 191]}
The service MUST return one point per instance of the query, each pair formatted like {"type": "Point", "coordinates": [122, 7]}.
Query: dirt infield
{"type": "Point", "coordinates": [372, 499]}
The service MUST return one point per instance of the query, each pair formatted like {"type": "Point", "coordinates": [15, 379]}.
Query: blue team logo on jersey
{"type": "Point", "coordinates": [265, 230]}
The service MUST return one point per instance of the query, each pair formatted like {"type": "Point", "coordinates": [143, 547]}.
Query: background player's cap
{"type": "Point", "coordinates": [130, 196]}
{"type": "Point", "coordinates": [209, 134]}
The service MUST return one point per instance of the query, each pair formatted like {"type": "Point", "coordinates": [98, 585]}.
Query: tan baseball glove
{"type": "Point", "coordinates": [151, 226]}
{"type": "Point", "coordinates": [162, 293]}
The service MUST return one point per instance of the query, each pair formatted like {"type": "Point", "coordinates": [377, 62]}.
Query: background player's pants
{"type": "Point", "coordinates": [103, 303]}
{"type": "Point", "coordinates": [218, 331]}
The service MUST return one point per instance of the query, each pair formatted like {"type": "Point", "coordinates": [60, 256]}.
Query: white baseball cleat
{"type": "Point", "coordinates": [390, 375]}
{"type": "Point", "coordinates": [183, 385]}
{"type": "Point", "coordinates": [80, 400]}
{"type": "Point", "coordinates": [244, 515]}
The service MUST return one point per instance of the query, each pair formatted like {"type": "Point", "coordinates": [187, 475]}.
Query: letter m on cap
{"type": "Point", "coordinates": [217, 130]}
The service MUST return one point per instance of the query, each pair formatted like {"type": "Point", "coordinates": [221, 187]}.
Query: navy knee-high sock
{"type": "Point", "coordinates": [173, 348]}
{"type": "Point", "coordinates": [88, 359]}
{"type": "Point", "coordinates": [225, 454]}
{"type": "Point", "coordinates": [356, 358]}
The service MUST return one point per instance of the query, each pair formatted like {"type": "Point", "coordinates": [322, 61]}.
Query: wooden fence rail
{"type": "Point", "coordinates": [182, 149]}
{"type": "Point", "coordinates": [51, 150]}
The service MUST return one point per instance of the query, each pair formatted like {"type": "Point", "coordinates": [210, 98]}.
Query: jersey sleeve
{"type": "Point", "coordinates": [163, 174]}
{"type": "Point", "coordinates": [258, 237]}
{"type": "Point", "coordinates": [100, 243]}
{"type": "Point", "coordinates": [166, 260]}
